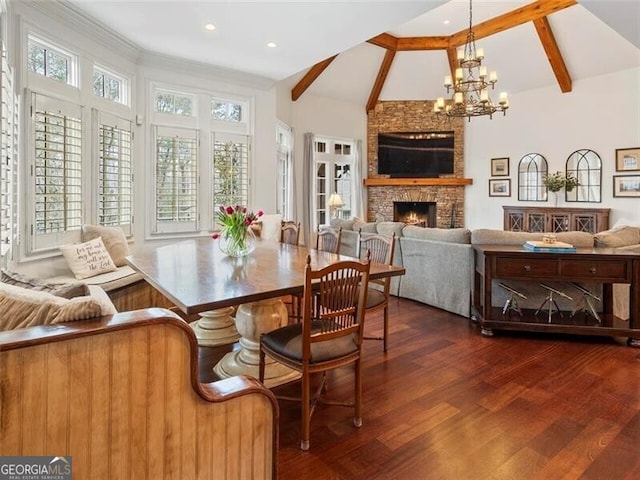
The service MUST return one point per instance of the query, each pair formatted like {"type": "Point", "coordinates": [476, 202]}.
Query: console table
{"type": "Point", "coordinates": [604, 265]}
{"type": "Point", "coordinates": [554, 220]}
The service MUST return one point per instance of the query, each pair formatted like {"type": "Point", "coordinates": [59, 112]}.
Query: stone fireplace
{"type": "Point", "coordinates": [421, 214]}
{"type": "Point", "coordinates": [445, 195]}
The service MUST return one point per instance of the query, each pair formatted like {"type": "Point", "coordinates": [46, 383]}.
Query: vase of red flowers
{"type": "Point", "coordinates": [236, 238]}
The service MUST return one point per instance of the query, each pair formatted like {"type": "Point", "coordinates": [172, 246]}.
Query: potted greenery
{"type": "Point", "coordinates": [557, 181]}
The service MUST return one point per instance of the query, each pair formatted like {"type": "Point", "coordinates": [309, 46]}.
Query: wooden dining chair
{"type": "Point", "coordinates": [379, 248]}
{"type": "Point", "coordinates": [328, 239]}
{"type": "Point", "coordinates": [325, 340]}
{"type": "Point", "coordinates": [290, 232]}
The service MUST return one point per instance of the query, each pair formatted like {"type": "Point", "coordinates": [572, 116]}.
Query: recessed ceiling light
{"type": "Point", "coordinates": [210, 26]}
{"type": "Point", "coordinates": [272, 45]}
{"type": "Point", "coordinates": [446, 22]}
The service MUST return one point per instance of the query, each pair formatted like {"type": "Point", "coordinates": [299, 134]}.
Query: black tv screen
{"type": "Point", "coordinates": [411, 154]}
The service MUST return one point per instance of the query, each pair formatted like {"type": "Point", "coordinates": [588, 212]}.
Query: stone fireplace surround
{"type": "Point", "coordinates": [414, 116]}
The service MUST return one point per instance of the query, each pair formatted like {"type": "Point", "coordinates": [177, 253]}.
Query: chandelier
{"type": "Point", "coordinates": [471, 83]}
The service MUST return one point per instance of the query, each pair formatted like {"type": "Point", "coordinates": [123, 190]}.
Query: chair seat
{"type": "Point", "coordinates": [287, 341]}
{"type": "Point", "coordinates": [374, 298]}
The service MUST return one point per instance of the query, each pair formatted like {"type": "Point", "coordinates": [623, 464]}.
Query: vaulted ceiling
{"type": "Point", "coordinates": [400, 50]}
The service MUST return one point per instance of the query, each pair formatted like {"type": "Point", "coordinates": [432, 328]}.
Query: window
{"type": "Point", "coordinates": [109, 85]}
{"type": "Point", "coordinates": [48, 61]}
{"type": "Point", "coordinates": [8, 154]}
{"type": "Point", "coordinates": [57, 172]}
{"type": "Point", "coordinates": [227, 111]}
{"type": "Point", "coordinates": [285, 172]}
{"type": "Point", "coordinates": [115, 180]}
{"type": "Point", "coordinates": [174, 103]}
{"type": "Point", "coordinates": [332, 174]}
{"type": "Point", "coordinates": [176, 179]}
{"type": "Point", "coordinates": [230, 170]}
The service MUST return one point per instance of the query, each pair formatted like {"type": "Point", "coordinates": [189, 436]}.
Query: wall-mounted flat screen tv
{"type": "Point", "coordinates": [415, 154]}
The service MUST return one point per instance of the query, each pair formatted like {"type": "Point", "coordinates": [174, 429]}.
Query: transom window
{"type": "Point", "coordinates": [108, 85]}
{"type": "Point", "coordinates": [227, 111]}
{"type": "Point", "coordinates": [175, 103]}
{"type": "Point", "coordinates": [46, 60]}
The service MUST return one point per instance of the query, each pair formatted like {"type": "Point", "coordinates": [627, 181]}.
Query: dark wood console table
{"type": "Point", "coordinates": [604, 265]}
{"type": "Point", "coordinates": [555, 219]}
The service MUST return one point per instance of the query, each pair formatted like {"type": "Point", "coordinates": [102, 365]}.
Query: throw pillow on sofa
{"type": "Point", "coordinates": [88, 259]}
{"type": "Point", "coordinates": [113, 238]}
{"type": "Point", "coordinates": [64, 290]}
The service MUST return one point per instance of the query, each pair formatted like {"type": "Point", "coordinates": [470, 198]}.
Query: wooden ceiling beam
{"type": "Point", "coordinates": [452, 57]}
{"type": "Point", "coordinates": [309, 77]}
{"type": "Point", "coordinates": [553, 53]}
{"type": "Point", "coordinates": [519, 16]}
{"type": "Point", "coordinates": [380, 79]}
{"type": "Point", "coordinates": [384, 40]}
{"type": "Point", "coordinates": [422, 43]}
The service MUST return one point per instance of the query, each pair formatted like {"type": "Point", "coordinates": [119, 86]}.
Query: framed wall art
{"type": "Point", "coordinates": [626, 185]}
{"type": "Point", "coordinates": [500, 167]}
{"type": "Point", "coordinates": [628, 159]}
{"type": "Point", "coordinates": [499, 187]}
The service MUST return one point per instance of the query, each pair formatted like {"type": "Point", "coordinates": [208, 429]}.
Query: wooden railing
{"type": "Point", "coordinates": [121, 396]}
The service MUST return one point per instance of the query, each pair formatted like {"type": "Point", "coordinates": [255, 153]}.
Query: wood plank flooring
{"type": "Point", "coordinates": [447, 403]}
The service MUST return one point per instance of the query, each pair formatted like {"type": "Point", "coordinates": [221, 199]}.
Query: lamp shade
{"type": "Point", "coordinates": [335, 201]}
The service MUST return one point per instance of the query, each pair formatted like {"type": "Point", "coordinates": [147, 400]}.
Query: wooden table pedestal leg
{"type": "Point", "coordinates": [253, 319]}
{"type": "Point", "coordinates": [215, 327]}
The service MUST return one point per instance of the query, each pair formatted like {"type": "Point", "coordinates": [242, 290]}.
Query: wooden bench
{"type": "Point", "coordinates": [121, 396]}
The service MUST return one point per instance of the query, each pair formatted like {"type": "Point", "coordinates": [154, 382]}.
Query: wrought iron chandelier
{"type": "Point", "coordinates": [470, 85]}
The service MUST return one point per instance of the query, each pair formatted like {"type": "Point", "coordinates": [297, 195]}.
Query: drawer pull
{"type": "Point", "coordinates": [527, 268]}
{"type": "Point", "coordinates": [592, 270]}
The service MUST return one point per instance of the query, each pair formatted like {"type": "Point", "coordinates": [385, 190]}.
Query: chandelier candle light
{"type": "Point", "coordinates": [470, 85]}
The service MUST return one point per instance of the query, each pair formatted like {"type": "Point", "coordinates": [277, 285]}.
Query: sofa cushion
{"type": "Point", "coordinates": [449, 235]}
{"type": "Point", "coordinates": [485, 236]}
{"type": "Point", "coordinates": [22, 308]}
{"type": "Point", "coordinates": [621, 237]}
{"type": "Point", "coordinates": [389, 228]}
{"type": "Point", "coordinates": [340, 223]}
{"type": "Point", "coordinates": [65, 290]}
{"type": "Point", "coordinates": [113, 238]}
{"type": "Point", "coordinates": [88, 259]}
{"type": "Point", "coordinates": [365, 227]}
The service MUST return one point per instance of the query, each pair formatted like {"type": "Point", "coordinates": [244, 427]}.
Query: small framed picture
{"type": "Point", "coordinates": [626, 185]}
{"type": "Point", "coordinates": [500, 167]}
{"type": "Point", "coordinates": [499, 187]}
{"type": "Point", "coordinates": [628, 159]}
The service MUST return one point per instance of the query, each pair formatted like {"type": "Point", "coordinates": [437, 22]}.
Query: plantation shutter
{"type": "Point", "coordinates": [230, 170]}
{"type": "Point", "coordinates": [56, 172]}
{"type": "Point", "coordinates": [115, 176]}
{"type": "Point", "coordinates": [9, 146]}
{"type": "Point", "coordinates": [176, 172]}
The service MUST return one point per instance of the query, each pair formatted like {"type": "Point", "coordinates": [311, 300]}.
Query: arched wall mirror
{"type": "Point", "coordinates": [532, 168]}
{"type": "Point", "coordinates": [585, 165]}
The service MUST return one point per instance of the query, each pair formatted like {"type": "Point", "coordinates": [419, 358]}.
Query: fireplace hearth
{"type": "Point", "coordinates": [422, 214]}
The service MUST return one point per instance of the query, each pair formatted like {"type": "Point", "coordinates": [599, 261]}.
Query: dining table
{"type": "Point", "coordinates": [236, 298]}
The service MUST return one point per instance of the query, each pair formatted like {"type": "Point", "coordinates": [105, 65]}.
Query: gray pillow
{"type": "Point", "coordinates": [64, 290]}
{"type": "Point", "coordinates": [450, 235]}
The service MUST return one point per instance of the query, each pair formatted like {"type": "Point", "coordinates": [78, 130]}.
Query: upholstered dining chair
{"type": "Point", "coordinates": [329, 336]}
{"type": "Point", "coordinates": [379, 248]}
{"type": "Point", "coordinates": [290, 232]}
{"type": "Point", "coordinates": [328, 239]}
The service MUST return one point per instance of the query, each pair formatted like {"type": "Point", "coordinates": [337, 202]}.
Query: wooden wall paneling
{"type": "Point", "coordinates": [156, 408]}
{"type": "Point", "coordinates": [81, 391]}
{"type": "Point", "coordinates": [32, 415]}
{"type": "Point", "coordinates": [100, 458]}
{"type": "Point", "coordinates": [11, 405]}
{"type": "Point", "coordinates": [120, 423]}
{"type": "Point", "coordinates": [57, 398]}
{"type": "Point", "coordinates": [140, 399]}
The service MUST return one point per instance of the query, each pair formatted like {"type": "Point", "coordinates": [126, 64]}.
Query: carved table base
{"type": "Point", "coordinates": [253, 319]}
{"type": "Point", "coordinates": [215, 327]}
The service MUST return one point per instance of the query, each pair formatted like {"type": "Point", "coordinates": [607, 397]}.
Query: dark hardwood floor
{"type": "Point", "coordinates": [447, 403]}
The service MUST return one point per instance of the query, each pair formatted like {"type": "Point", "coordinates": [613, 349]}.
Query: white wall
{"type": "Point", "coordinates": [601, 114]}
{"type": "Point", "coordinates": [329, 117]}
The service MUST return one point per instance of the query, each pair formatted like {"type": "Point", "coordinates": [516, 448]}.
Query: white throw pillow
{"type": "Point", "coordinates": [114, 240]}
{"type": "Point", "coordinates": [271, 227]}
{"type": "Point", "coordinates": [88, 259]}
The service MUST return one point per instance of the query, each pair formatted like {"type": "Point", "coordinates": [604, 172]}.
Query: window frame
{"type": "Point", "coordinates": [122, 80]}
{"type": "Point", "coordinates": [72, 60]}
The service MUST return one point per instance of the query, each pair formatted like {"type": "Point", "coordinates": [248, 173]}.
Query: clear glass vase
{"type": "Point", "coordinates": [237, 242]}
